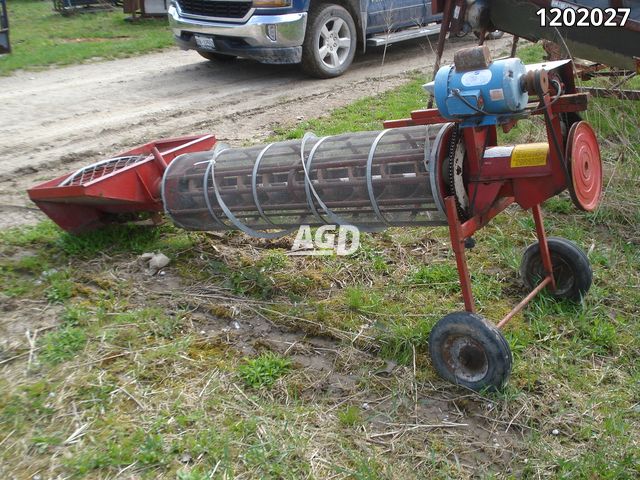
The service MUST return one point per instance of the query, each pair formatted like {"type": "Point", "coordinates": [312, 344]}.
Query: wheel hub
{"type": "Point", "coordinates": [466, 358]}
{"type": "Point", "coordinates": [334, 42]}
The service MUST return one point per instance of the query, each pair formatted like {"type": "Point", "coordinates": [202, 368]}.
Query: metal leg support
{"type": "Point", "coordinates": [548, 280]}
{"type": "Point", "coordinates": [457, 243]}
{"type": "Point", "coordinates": [544, 246]}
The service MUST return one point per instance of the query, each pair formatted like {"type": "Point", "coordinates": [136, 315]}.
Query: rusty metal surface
{"type": "Point", "coordinates": [465, 355]}
{"type": "Point", "coordinates": [472, 58]}
{"type": "Point", "coordinates": [447, 10]}
{"type": "Point", "coordinates": [525, 301]}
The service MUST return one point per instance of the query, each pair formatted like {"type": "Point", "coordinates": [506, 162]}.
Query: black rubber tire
{"type": "Point", "coordinates": [467, 350]}
{"type": "Point", "coordinates": [216, 57]}
{"type": "Point", "coordinates": [571, 269]}
{"type": "Point", "coordinates": [312, 64]}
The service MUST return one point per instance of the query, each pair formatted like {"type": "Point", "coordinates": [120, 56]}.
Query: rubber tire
{"type": "Point", "coordinates": [573, 283]}
{"type": "Point", "coordinates": [216, 57]}
{"type": "Point", "coordinates": [311, 62]}
{"type": "Point", "coordinates": [497, 354]}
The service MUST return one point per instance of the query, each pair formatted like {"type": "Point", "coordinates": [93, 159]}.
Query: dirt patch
{"type": "Point", "coordinates": [398, 410]}
{"type": "Point", "coordinates": [332, 373]}
{"type": "Point", "coordinates": [21, 320]}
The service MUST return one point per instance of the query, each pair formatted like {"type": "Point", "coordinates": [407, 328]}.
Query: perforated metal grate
{"type": "Point", "coordinates": [371, 180]}
{"type": "Point", "coordinates": [100, 169]}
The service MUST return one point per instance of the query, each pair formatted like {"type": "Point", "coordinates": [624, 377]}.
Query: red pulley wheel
{"type": "Point", "coordinates": [585, 166]}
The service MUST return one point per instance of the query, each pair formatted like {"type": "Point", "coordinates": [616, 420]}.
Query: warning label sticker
{"type": "Point", "coordinates": [498, 152]}
{"type": "Point", "coordinates": [530, 155]}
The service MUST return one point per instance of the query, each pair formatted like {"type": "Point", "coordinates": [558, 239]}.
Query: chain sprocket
{"type": "Point", "coordinates": [453, 173]}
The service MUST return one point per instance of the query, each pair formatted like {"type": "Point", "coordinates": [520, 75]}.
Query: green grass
{"type": "Point", "coordinates": [62, 345]}
{"type": "Point", "coordinates": [442, 277]}
{"type": "Point", "coordinates": [263, 371]}
{"type": "Point", "coordinates": [41, 37]}
{"type": "Point", "coordinates": [60, 286]}
{"type": "Point", "coordinates": [113, 240]}
{"type": "Point", "coordinates": [365, 114]}
{"type": "Point", "coordinates": [350, 416]}
{"type": "Point", "coordinates": [168, 388]}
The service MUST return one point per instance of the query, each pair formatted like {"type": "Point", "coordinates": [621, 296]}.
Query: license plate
{"type": "Point", "coordinates": [205, 43]}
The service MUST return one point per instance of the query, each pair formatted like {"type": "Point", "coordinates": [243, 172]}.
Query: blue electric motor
{"type": "Point", "coordinates": [479, 91]}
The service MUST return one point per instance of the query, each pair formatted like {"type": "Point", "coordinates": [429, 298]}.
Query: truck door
{"type": "Point", "coordinates": [5, 47]}
{"type": "Point", "coordinates": [392, 15]}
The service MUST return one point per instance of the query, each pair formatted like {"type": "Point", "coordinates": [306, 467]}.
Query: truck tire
{"type": "Point", "coordinates": [216, 57]}
{"type": "Point", "coordinates": [330, 41]}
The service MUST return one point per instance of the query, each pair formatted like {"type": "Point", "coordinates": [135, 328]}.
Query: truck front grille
{"type": "Point", "coordinates": [213, 8]}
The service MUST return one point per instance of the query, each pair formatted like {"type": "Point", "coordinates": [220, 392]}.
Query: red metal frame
{"type": "Point", "coordinates": [460, 231]}
{"type": "Point", "coordinates": [457, 244]}
{"type": "Point", "coordinates": [494, 182]}
{"type": "Point", "coordinates": [129, 190]}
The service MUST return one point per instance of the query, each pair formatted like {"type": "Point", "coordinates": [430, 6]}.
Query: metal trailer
{"type": "Point", "coordinates": [5, 46]}
{"type": "Point", "coordinates": [615, 46]}
{"type": "Point", "coordinates": [69, 7]}
{"type": "Point", "coordinates": [145, 8]}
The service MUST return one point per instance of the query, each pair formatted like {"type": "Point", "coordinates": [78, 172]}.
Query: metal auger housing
{"type": "Point", "coordinates": [371, 180]}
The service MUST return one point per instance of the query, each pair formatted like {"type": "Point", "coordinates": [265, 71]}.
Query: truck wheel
{"type": "Point", "coordinates": [216, 57]}
{"type": "Point", "coordinates": [330, 42]}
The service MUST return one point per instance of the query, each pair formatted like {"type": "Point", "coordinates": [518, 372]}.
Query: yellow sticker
{"type": "Point", "coordinates": [530, 155]}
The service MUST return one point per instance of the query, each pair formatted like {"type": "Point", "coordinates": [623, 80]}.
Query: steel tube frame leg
{"type": "Point", "coordinates": [444, 29]}
{"type": "Point", "coordinates": [457, 243]}
{"type": "Point", "coordinates": [544, 245]}
{"type": "Point", "coordinates": [514, 45]}
{"type": "Point", "coordinates": [548, 280]}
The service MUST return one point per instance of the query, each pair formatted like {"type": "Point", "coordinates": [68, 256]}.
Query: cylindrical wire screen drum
{"type": "Point", "coordinates": [368, 179]}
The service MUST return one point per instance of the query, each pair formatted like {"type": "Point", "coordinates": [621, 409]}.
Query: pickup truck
{"type": "Point", "coordinates": [321, 35]}
{"type": "Point", "coordinates": [5, 46]}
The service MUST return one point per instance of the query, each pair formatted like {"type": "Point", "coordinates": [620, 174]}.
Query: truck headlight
{"type": "Point", "coordinates": [271, 3]}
